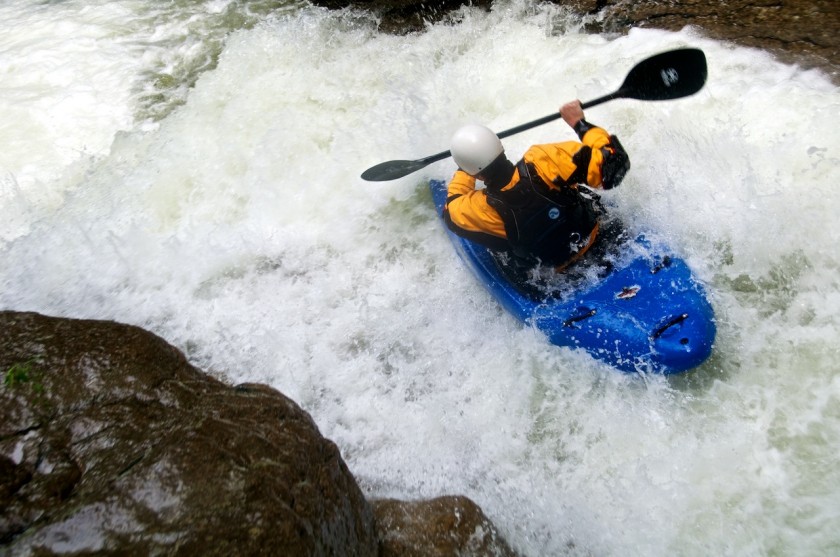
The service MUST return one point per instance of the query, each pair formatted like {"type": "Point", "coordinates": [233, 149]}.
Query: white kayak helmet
{"type": "Point", "coordinates": [474, 147]}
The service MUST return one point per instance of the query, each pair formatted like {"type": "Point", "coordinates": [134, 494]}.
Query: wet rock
{"type": "Point", "coordinates": [110, 442]}
{"type": "Point", "coordinates": [404, 16]}
{"type": "Point", "coordinates": [441, 527]}
{"type": "Point", "coordinates": [806, 32]}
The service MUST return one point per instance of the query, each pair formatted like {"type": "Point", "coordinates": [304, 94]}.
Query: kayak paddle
{"type": "Point", "coordinates": [669, 75]}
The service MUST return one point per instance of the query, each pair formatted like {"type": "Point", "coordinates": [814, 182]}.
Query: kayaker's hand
{"type": "Point", "coordinates": [572, 112]}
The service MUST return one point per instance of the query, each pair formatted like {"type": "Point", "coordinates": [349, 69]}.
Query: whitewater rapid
{"type": "Point", "coordinates": [195, 170]}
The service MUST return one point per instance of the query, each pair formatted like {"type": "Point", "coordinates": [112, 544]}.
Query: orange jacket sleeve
{"type": "Point", "coordinates": [468, 208]}
{"type": "Point", "coordinates": [596, 138]}
{"type": "Point", "coordinates": [557, 159]}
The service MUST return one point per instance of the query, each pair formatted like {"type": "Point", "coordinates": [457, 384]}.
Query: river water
{"type": "Point", "coordinates": [193, 168]}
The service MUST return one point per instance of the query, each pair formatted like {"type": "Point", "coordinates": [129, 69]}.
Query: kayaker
{"type": "Point", "coordinates": [535, 209]}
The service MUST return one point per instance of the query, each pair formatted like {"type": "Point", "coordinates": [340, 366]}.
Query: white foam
{"type": "Point", "coordinates": [239, 229]}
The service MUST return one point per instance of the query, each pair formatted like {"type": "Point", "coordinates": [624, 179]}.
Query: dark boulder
{"type": "Point", "coordinates": [436, 528]}
{"type": "Point", "coordinates": [110, 442]}
{"type": "Point", "coordinates": [806, 32]}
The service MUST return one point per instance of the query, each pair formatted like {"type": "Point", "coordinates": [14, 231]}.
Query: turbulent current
{"type": "Point", "coordinates": [193, 168]}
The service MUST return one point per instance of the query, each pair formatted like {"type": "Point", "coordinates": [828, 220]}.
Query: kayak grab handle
{"type": "Point", "coordinates": [661, 264]}
{"type": "Point", "coordinates": [584, 313]}
{"type": "Point", "coordinates": [675, 321]}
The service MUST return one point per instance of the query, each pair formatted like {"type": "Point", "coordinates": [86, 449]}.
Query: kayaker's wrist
{"type": "Point", "coordinates": [581, 127]}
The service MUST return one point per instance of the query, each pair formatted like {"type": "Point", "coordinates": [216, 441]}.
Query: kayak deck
{"type": "Point", "coordinates": [642, 312]}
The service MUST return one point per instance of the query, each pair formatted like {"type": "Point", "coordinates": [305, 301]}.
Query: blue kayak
{"type": "Point", "coordinates": [643, 312]}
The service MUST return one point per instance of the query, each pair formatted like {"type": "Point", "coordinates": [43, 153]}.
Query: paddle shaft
{"type": "Point", "coordinates": [528, 125]}
{"type": "Point", "coordinates": [665, 76]}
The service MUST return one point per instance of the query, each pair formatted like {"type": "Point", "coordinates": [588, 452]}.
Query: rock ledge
{"type": "Point", "coordinates": [111, 442]}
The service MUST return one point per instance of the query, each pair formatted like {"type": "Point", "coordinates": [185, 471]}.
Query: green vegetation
{"type": "Point", "coordinates": [23, 373]}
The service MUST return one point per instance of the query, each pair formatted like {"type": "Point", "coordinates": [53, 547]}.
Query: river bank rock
{"type": "Point", "coordinates": [805, 32]}
{"type": "Point", "coordinates": [112, 443]}
{"type": "Point", "coordinates": [441, 527]}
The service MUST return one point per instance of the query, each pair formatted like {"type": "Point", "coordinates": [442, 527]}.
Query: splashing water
{"type": "Point", "coordinates": [194, 169]}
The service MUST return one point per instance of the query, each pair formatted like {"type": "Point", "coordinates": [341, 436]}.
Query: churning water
{"type": "Point", "coordinates": [193, 168]}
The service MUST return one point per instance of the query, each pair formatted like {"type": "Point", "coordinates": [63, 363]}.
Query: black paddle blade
{"type": "Point", "coordinates": [391, 170]}
{"type": "Point", "coordinates": [670, 75]}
